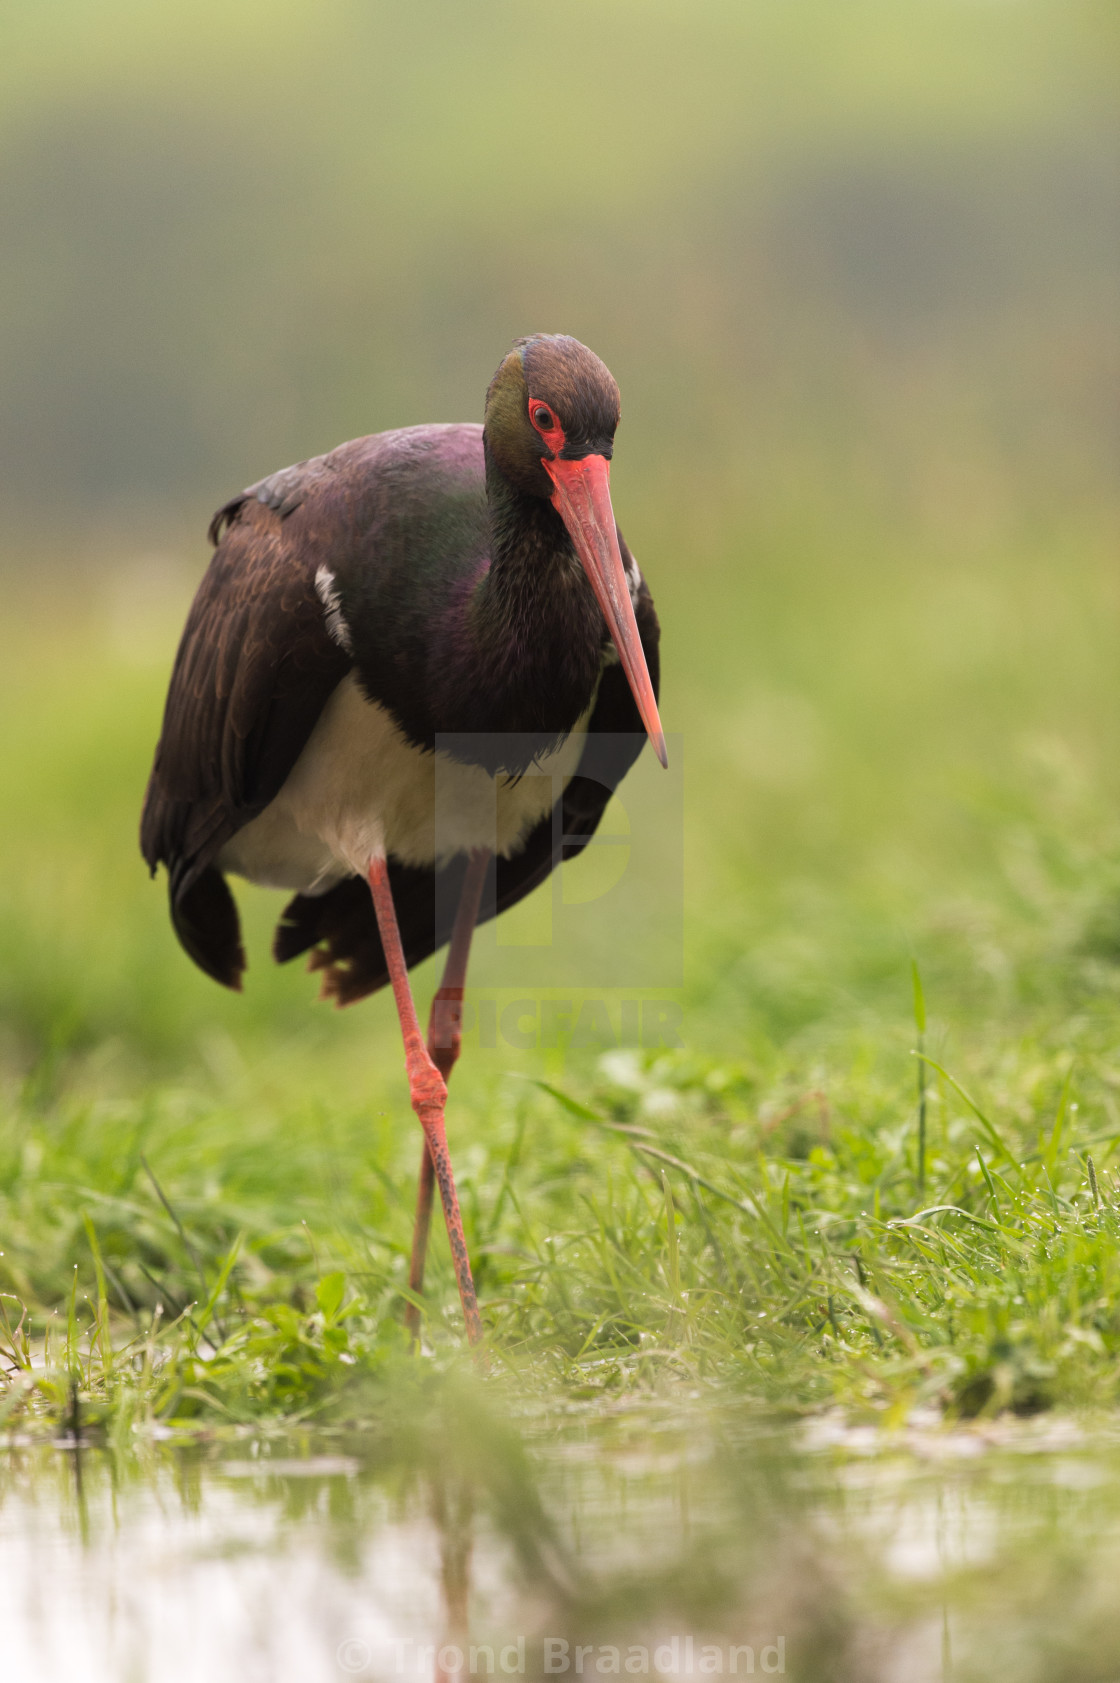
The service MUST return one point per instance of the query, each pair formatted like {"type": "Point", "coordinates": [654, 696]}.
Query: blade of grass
{"type": "Point", "coordinates": [920, 1024]}
{"type": "Point", "coordinates": [182, 1232]}
{"type": "Point", "coordinates": [102, 1297]}
{"type": "Point", "coordinates": [988, 1127]}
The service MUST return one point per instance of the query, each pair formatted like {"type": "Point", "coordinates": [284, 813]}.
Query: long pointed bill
{"type": "Point", "coordinates": [582, 499]}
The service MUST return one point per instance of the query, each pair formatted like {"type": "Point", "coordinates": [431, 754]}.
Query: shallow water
{"type": "Point", "coordinates": [676, 1540]}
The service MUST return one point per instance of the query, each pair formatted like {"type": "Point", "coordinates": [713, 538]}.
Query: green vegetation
{"type": "Point", "coordinates": [206, 1199]}
{"type": "Point", "coordinates": [861, 308]}
{"type": "Point", "coordinates": [855, 269]}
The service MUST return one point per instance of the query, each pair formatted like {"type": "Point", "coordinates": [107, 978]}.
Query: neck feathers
{"type": "Point", "coordinates": [533, 630]}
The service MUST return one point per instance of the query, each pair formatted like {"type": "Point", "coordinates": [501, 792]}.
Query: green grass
{"type": "Point", "coordinates": [766, 1240]}
{"type": "Point", "coordinates": [852, 269]}
{"type": "Point", "coordinates": [851, 277]}
{"type": "Point", "coordinates": [205, 1201]}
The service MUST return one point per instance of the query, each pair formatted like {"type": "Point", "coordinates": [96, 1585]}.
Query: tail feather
{"type": "Point", "coordinates": [340, 931]}
{"type": "Point", "coordinates": [204, 914]}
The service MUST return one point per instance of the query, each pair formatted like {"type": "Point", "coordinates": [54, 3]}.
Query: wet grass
{"type": "Point", "coordinates": [781, 1250]}
{"type": "Point", "coordinates": [880, 1172]}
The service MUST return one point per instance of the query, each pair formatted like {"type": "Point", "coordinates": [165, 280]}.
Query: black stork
{"type": "Point", "coordinates": [360, 609]}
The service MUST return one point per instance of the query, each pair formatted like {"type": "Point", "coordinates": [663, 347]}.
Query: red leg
{"type": "Point", "coordinates": [420, 1226]}
{"type": "Point", "coordinates": [427, 1088]}
{"type": "Point", "coordinates": [444, 1041]}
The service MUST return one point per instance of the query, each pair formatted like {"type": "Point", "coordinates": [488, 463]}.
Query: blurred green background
{"type": "Point", "coordinates": [857, 271]}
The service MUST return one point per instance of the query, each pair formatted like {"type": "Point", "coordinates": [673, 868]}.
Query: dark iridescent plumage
{"type": "Point", "coordinates": [466, 612]}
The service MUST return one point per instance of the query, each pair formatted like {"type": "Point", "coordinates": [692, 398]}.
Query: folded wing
{"type": "Point", "coordinates": [255, 667]}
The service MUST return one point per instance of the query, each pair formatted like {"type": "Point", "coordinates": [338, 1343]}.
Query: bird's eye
{"type": "Point", "coordinates": [543, 418]}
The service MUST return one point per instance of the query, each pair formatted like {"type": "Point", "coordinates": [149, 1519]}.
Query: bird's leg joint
{"type": "Point", "coordinates": [426, 1085]}
{"type": "Point", "coordinates": [445, 1029]}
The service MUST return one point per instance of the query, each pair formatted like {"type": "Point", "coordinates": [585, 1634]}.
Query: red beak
{"type": "Point", "coordinates": [582, 499]}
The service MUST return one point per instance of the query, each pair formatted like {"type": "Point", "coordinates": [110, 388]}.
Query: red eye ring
{"type": "Point", "coordinates": [545, 422]}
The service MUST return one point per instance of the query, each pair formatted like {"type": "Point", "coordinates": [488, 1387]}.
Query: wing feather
{"type": "Point", "coordinates": [253, 672]}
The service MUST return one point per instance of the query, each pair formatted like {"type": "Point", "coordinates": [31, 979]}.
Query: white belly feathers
{"type": "Point", "coordinates": [360, 790]}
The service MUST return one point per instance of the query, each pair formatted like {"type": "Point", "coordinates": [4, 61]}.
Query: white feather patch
{"type": "Point", "coordinates": [337, 627]}
{"type": "Point", "coordinates": [634, 580]}
{"type": "Point", "coordinates": [360, 790]}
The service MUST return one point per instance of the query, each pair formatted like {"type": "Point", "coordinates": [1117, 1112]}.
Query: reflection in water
{"type": "Point", "coordinates": [453, 1513]}
{"type": "Point", "coordinates": [443, 1544]}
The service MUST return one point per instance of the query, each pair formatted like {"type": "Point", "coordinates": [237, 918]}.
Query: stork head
{"type": "Point", "coordinates": [551, 397]}
{"type": "Point", "coordinates": [551, 413]}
